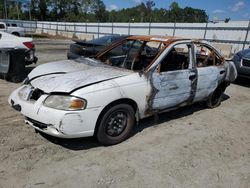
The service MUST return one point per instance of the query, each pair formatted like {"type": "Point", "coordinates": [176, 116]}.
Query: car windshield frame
{"type": "Point", "coordinates": [144, 45]}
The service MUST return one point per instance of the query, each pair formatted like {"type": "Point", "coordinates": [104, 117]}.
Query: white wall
{"type": "Point", "coordinates": [233, 32]}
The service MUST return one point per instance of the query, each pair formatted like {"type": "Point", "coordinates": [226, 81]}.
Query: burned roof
{"type": "Point", "coordinates": [156, 38]}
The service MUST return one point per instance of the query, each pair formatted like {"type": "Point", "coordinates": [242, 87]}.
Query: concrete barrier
{"type": "Point", "coordinates": [235, 33]}
{"type": "Point", "coordinates": [224, 49]}
{"type": "Point", "coordinates": [83, 36]}
{"type": "Point", "coordinates": [38, 31]}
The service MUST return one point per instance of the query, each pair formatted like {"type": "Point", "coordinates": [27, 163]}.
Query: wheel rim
{"type": "Point", "coordinates": [116, 123]}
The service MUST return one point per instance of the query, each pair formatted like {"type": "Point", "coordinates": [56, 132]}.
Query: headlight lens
{"type": "Point", "coordinates": [63, 102]}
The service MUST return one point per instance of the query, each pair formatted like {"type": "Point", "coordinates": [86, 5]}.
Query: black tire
{"type": "Point", "coordinates": [116, 124]}
{"type": "Point", "coordinates": [16, 34]}
{"type": "Point", "coordinates": [16, 79]}
{"type": "Point", "coordinates": [215, 98]}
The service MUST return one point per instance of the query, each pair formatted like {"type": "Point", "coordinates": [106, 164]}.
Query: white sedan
{"type": "Point", "coordinates": [9, 41]}
{"type": "Point", "coordinates": [130, 80]}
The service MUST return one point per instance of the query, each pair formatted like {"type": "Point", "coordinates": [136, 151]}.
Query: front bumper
{"type": "Point", "coordinates": [58, 123]}
{"type": "Point", "coordinates": [243, 71]}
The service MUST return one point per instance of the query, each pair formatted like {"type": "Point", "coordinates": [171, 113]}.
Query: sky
{"type": "Point", "coordinates": [216, 9]}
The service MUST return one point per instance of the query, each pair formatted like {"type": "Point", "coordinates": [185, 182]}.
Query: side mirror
{"type": "Point", "coordinates": [141, 72]}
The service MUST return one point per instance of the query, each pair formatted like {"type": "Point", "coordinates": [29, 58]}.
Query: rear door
{"type": "Point", "coordinates": [210, 70]}
{"type": "Point", "coordinates": [174, 82]}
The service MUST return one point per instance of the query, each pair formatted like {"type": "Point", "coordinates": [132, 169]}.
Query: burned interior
{"type": "Point", "coordinates": [206, 56]}
{"type": "Point", "coordinates": [134, 55]}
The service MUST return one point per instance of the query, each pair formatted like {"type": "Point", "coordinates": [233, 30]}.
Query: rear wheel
{"type": "Point", "coordinates": [215, 98]}
{"type": "Point", "coordinates": [16, 34]}
{"type": "Point", "coordinates": [116, 124]}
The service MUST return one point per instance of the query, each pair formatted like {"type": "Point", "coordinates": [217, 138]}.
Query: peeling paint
{"type": "Point", "coordinates": [76, 75]}
{"type": "Point", "coordinates": [71, 123]}
{"type": "Point", "coordinates": [166, 96]}
{"type": "Point", "coordinates": [182, 87]}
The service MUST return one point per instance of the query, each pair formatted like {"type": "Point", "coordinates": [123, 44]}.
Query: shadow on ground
{"type": "Point", "coordinates": [75, 143]}
{"type": "Point", "coordinates": [242, 82]}
{"type": "Point", "coordinates": [17, 77]}
{"type": "Point", "coordinates": [91, 142]}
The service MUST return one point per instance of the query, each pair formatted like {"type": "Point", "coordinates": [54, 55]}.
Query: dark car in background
{"type": "Point", "coordinates": [92, 47]}
{"type": "Point", "coordinates": [242, 63]}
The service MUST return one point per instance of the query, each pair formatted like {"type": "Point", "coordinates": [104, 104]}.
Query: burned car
{"type": "Point", "coordinates": [126, 82]}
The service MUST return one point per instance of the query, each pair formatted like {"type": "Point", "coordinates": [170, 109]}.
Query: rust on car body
{"type": "Point", "coordinates": [152, 105]}
{"type": "Point", "coordinates": [151, 74]}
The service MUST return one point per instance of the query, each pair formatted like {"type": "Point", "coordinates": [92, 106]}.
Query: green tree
{"type": "Point", "coordinates": [175, 12]}
{"type": "Point", "coordinates": [43, 9]}
{"type": "Point", "coordinates": [149, 7]}
{"type": "Point", "coordinates": [33, 8]}
{"type": "Point", "coordinates": [99, 9]}
{"type": "Point", "coordinates": [1, 9]}
{"type": "Point", "coordinates": [39, 9]}
{"type": "Point", "coordinates": [95, 10]}
{"type": "Point", "coordinates": [227, 20]}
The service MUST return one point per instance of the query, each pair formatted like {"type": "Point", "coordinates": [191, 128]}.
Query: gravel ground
{"type": "Point", "coordinates": [189, 147]}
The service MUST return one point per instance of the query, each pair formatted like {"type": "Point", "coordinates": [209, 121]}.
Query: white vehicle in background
{"type": "Point", "coordinates": [12, 28]}
{"type": "Point", "coordinates": [9, 41]}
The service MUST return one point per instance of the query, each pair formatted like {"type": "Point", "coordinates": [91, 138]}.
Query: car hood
{"type": "Point", "coordinates": [69, 75]}
{"type": "Point", "coordinates": [244, 53]}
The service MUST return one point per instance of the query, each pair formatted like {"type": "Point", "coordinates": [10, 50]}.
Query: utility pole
{"type": "Point", "coordinates": [30, 10]}
{"type": "Point", "coordinates": [5, 10]}
{"type": "Point", "coordinates": [17, 9]}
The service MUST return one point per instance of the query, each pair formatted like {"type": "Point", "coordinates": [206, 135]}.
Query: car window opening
{"type": "Point", "coordinates": [176, 59]}
{"type": "Point", "coordinates": [206, 56]}
{"type": "Point", "coordinates": [134, 55]}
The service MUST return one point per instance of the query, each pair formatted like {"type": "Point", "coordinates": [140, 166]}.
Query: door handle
{"type": "Point", "coordinates": [222, 72]}
{"type": "Point", "coordinates": [173, 87]}
{"type": "Point", "coordinates": [192, 77]}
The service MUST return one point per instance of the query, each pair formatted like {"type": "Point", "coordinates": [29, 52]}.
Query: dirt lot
{"type": "Point", "coordinates": [190, 147]}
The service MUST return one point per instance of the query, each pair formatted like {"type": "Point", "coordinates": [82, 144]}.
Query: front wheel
{"type": "Point", "coordinates": [215, 98]}
{"type": "Point", "coordinates": [116, 124]}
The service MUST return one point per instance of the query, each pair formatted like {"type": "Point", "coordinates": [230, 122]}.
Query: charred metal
{"type": "Point", "coordinates": [129, 80]}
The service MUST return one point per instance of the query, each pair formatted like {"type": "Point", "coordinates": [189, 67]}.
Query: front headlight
{"type": "Point", "coordinates": [62, 102]}
{"type": "Point", "coordinates": [26, 81]}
